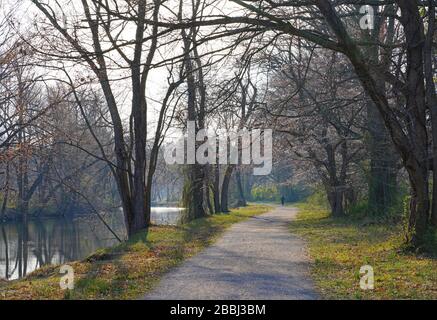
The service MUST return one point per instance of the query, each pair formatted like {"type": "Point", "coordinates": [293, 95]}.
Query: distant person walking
{"type": "Point", "coordinates": [283, 200]}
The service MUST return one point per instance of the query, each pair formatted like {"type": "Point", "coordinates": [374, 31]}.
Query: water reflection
{"type": "Point", "coordinates": [165, 215]}
{"type": "Point", "coordinates": [25, 247]}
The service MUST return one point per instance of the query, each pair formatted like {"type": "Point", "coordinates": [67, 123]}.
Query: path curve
{"type": "Point", "coordinates": [255, 259]}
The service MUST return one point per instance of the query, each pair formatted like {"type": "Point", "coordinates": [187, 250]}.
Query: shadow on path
{"type": "Point", "coordinates": [255, 259]}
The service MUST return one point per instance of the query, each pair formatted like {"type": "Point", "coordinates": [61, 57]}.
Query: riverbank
{"type": "Point", "coordinates": [131, 269]}
{"type": "Point", "coordinates": [339, 247]}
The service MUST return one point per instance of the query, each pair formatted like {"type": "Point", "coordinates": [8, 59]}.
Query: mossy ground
{"type": "Point", "coordinates": [339, 247]}
{"type": "Point", "coordinates": [131, 269]}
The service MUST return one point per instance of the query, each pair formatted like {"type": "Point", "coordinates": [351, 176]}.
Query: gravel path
{"type": "Point", "coordinates": [255, 259]}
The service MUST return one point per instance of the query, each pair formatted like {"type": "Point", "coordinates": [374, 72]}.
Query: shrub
{"type": "Point", "coordinates": [265, 193]}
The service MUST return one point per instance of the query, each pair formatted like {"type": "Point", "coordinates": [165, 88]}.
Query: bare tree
{"type": "Point", "coordinates": [108, 26]}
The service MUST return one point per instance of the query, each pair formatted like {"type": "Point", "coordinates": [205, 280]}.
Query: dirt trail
{"type": "Point", "coordinates": [255, 259]}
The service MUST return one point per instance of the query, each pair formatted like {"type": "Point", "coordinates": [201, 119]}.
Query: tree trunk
{"type": "Point", "coordinates": [5, 195]}
{"type": "Point", "coordinates": [225, 188]}
{"type": "Point", "coordinates": [419, 206]}
{"type": "Point", "coordinates": [6, 247]}
{"type": "Point", "coordinates": [206, 188]}
{"type": "Point", "coordinates": [139, 116]}
{"type": "Point", "coordinates": [193, 193]}
{"type": "Point", "coordinates": [431, 98]}
{"type": "Point", "coordinates": [417, 161]}
{"type": "Point", "coordinates": [148, 204]}
{"type": "Point", "coordinates": [193, 190]}
{"type": "Point", "coordinates": [216, 189]}
{"type": "Point", "coordinates": [335, 186]}
{"type": "Point", "coordinates": [241, 198]}
{"type": "Point", "coordinates": [336, 200]}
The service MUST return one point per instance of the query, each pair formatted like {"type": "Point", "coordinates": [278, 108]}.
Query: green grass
{"type": "Point", "coordinates": [339, 247]}
{"type": "Point", "coordinates": [132, 268]}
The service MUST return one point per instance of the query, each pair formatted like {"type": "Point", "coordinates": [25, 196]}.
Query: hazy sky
{"type": "Point", "coordinates": [26, 13]}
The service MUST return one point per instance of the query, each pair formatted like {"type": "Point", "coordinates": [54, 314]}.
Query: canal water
{"type": "Point", "coordinates": [25, 248]}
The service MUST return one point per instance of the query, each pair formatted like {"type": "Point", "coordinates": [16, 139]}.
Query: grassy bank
{"type": "Point", "coordinates": [339, 247]}
{"type": "Point", "coordinates": [132, 268]}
